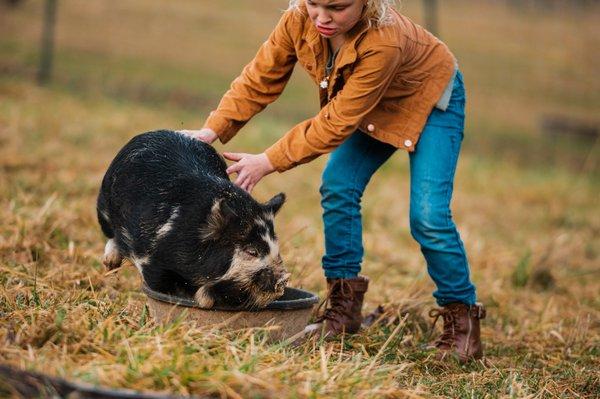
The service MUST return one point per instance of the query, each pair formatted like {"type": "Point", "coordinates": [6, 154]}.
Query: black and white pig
{"type": "Point", "coordinates": [166, 203]}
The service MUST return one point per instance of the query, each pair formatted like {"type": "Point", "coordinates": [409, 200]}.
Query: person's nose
{"type": "Point", "coordinates": [323, 17]}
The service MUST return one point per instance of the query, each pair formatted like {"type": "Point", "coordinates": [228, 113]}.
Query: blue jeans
{"type": "Point", "coordinates": [432, 167]}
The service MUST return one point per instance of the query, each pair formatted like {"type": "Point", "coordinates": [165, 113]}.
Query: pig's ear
{"type": "Point", "coordinates": [275, 203]}
{"type": "Point", "coordinates": [220, 216]}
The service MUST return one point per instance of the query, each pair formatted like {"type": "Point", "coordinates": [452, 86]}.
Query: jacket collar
{"type": "Point", "coordinates": [348, 54]}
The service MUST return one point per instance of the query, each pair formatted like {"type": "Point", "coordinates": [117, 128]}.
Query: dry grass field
{"type": "Point", "coordinates": [526, 206]}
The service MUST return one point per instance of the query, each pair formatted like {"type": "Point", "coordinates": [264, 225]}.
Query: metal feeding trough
{"type": "Point", "coordinates": [290, 313]}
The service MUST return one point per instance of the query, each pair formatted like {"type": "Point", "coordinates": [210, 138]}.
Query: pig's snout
{"type": "Point", "coordinates": [271, 279]}
{"type": "Point", "coordinates": [282, 282]}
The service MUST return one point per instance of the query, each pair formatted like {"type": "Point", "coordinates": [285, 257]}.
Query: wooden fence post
{"type": "Point", "coordinates": [431, 16]}
{"type": "Point", "coordinates": [47, 45]}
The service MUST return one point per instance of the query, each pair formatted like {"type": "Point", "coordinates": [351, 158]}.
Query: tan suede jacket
{"type": "Point", "coordinates": [385, 82]}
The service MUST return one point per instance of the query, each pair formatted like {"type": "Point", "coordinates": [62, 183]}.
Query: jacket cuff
{"type": "Point", "coordinates": [221, 126]}
{"type": "Point", "coordinates": [278, 158]}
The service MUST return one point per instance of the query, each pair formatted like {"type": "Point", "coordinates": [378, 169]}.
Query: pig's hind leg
{"type": "Point", "coordinates": [112, 258]}
{"type": "Point", "coordinates": [167, 281]}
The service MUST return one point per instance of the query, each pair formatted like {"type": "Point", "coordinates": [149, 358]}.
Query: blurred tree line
{"type": "Point", "coordinates": [515, 3]}
{"type": "Point", "coordinates": [545, 4]}
{"type": "Point", "coordinates": [430, 13]}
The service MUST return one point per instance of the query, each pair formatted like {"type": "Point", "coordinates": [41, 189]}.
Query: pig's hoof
{"type": "Point", "coordinates": [112, 259]}
{"type": "Point", "coordinates": [204, 298]}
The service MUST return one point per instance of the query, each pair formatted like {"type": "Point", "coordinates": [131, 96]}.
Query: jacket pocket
{"type": "Point", "coordinates": [403, 86]}
{"type": "Point", "coordinates": [308, 67]}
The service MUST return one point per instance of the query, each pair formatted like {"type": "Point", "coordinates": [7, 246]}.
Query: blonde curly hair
{"type": "Point", "coordinates": [377, 12]}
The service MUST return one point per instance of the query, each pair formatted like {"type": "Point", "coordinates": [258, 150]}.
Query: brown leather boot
{"type": "Point", "coordinates": [342, 314]}
{"type": "Point", "coordinates": [461, 335]}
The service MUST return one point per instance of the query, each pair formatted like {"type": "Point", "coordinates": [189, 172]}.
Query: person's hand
{"type": "Point", "coordinates": [206, 135]}
{"type": "Point", "coordinates": [250, 168]}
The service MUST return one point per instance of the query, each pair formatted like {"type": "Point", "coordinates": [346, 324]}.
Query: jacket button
{"type": "Point", "coordinates": [407, 143]}
{"type": "Point", "coordinates": [371, 127]}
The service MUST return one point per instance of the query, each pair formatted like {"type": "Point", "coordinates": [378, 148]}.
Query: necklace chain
{"type": "Point", "coordinates": [328, 68]}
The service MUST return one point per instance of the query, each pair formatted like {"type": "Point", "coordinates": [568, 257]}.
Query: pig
{"type": "Point", "coordinates": [166, 203]}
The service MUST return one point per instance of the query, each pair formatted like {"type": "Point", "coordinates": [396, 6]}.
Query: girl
{"type": "Point", "coordinates": [384, 83]}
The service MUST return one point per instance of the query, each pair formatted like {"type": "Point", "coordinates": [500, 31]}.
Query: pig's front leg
{"type": "Point", "coordinates": [204, 297]}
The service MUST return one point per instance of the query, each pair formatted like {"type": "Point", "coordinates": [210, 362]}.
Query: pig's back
{"type": "Point", "coordinates": [154, 174]}
{"type": "Point", "coordinates": [164, 154]}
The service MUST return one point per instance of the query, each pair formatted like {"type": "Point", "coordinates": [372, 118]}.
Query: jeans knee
{"type": "Point", "coordinates": [426, 226]}
{"type": "Point", "coordinates": [334, 186]}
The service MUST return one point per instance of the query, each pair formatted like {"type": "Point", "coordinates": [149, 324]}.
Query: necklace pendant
{"type": "Point", "coordinates": [324, 83]}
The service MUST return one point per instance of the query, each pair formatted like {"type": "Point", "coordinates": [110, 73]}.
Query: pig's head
{"type": "Point", "coordinates": [243, 252]}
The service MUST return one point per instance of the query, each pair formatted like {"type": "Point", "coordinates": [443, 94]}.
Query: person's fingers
{"type": "Point", "coordinates": [203, 137]}
{"type": "Point", "coordinates": [247, 185]}
{"type": "Point", "coordinates": [239, 179]}
{"type": "Point", "coordinates": [250, 188]}
{"type": "Point", "coordinates": [234, 156]}
{"type": "Point", "coordinates": [192, 133]}
{"type": "Point", "coordinates": [242, 176]}
{"type": "Point", "coordinates": [236, 167]}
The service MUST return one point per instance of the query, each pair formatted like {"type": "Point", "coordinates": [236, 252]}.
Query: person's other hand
{"type": "Point", "coordinates": [206, 135]}
{"type": "Point", "coordinates": [250, 168]}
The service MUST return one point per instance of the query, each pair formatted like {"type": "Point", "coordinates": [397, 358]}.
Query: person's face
{"type": "Point", "coordinates": [334, 17]}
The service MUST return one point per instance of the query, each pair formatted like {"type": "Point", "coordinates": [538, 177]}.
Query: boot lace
{"type": "Point", "coordinates": [339, 291]}
{"type": "Point", "coordinates": [449, 329]}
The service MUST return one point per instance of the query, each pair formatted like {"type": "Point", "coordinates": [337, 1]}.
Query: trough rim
{"type": "Point", "coordinates": [306, 302]}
